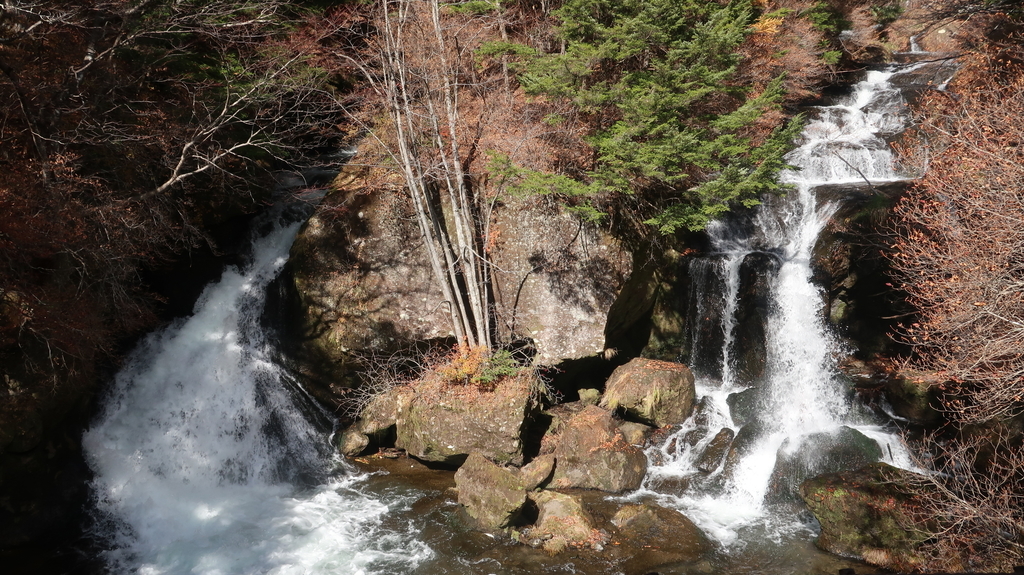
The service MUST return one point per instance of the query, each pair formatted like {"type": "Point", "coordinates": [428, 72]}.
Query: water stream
{"type": "Point", "coordinates": [761, 268]}
{"type": "Point", "coordinates": [209, 459]}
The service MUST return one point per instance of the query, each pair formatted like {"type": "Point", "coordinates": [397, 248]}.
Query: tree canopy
{"type": "Point", "coordinates": [654, 81]}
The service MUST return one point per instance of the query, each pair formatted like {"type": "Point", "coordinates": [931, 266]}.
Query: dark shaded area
{"type": "Point", "coordinates": [179, 282]}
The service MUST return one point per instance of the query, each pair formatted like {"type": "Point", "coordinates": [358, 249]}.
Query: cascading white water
{"type": "Point", "coordinates": [800, 392]}
{"type": "Point", "coordinates": [205, 462]}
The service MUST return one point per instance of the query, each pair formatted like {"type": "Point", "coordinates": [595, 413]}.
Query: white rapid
{"type": "Point", "coordinates": [798, 391]}
{"type": "Point", "coordinates": [206, 460]}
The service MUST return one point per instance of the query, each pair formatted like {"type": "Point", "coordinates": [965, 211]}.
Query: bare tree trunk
{"type": "Point", "coordinates": [424, 106]}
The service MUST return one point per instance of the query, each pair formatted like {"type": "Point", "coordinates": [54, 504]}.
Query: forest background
{"type": "Point", "coordinates": [136, 137]}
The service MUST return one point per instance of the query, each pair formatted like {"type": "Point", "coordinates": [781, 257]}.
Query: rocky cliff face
{"type": "Point", "coordinates": [362, 282]}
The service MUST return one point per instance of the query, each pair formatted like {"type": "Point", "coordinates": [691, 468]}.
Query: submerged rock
{"type": "Point", "coordinates": [869, 514]}
{"type": "Point", "coordinates": [667, 535]}
{"type": "Point", "coordinates": [491, 496]}
{"type": "Point", "coordinates": [655, 392]}
{"type": "Point", "coordinates": [592, 454]}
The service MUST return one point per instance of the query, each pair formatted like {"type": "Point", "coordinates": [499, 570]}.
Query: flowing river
{"type": "Point", "coordinates": [209, 459]}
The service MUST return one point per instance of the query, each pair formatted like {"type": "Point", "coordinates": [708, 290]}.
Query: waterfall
{"type": "Point", "coordinates": [209, 460]}
{"type": "Point", "coordinates": [775, 352]}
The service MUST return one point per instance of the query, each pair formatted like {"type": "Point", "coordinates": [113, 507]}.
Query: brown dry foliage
{"type": "Point", "coordinates": [494, 115]}
{"type": "Point", "coordinates": [788, 45]}
{"type": "Point", "coordinates": [97, 106]}
{"type": "Point", "coordinates": [958, 238]}
{"type": "Point", "coordinates": [972, 503]}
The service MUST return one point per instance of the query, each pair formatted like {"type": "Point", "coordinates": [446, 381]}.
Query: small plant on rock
{"type": "Point", "coordinates": [478, 366]}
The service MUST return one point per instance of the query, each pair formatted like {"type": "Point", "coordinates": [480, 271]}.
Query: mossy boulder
{"type": "Point", "coordinates": [651, 391]}
{"type": "Point", "coordinates": [593, 454]}
{"type": "Point", "coordinates": [868, 514]}
{"type": "Point", "coordinates": [491, 496]}
{"type": "Point", "coordinates": [635, 433]}
{"type": "Point", "coordinates": [915, 396]}
{"type": "Point", "coordinates": [817, 453]}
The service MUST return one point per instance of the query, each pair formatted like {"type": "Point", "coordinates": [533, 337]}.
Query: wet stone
{"type": "Point", "coordinates": [711, 458]}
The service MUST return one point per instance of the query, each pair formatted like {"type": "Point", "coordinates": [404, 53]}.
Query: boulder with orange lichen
{"type": "Point", "coordinates": [592, 453]}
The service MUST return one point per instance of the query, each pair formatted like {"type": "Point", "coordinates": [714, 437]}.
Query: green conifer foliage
{"type": "Point", "coordinates": [652, 76]}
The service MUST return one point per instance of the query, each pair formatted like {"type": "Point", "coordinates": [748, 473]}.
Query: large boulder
{"type": "Point", "coordinates": [869, 514]}
{"type": "Point", "coordinates": [655, 392]}
{"type": "Point", "coordinates": [818, 453]}
{"type": "Point", "coordinates": [445, 422]}
{"type": "Point", "coordinates": [592, 454]}
{"type": "Point", "coordinates": [491, 496]}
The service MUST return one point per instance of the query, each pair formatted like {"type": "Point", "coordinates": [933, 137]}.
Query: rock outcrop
{"type": "Point", "coordinates": [556, 277]}
{"type": "Point", "coordinates": [749, 353]}
{"type": "Point", "coordinates": [362, 282]}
